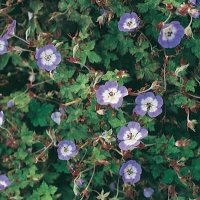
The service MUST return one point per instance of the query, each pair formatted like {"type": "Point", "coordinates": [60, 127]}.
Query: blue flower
{"type": "Point", "coordinates": [130, 172]}
{"type": "Point", "coordinates": [47, 57]}
{"type": "Point", "coordinates": [11, 103]}
{"type": "Point", "coordinates": [148, 103]}
{"type": "Point", "coordinates": [3, 45]}
{"type": "Point", "coordinates": [56, 117]}
{"type": "Point", "coordinates": [148, 192]}
{"type": "Point", "coordinates": [66, 149]}
{"type": "Point", "coordinates": [11, 30]}
{"type": "Point", "coordinates": [195, 2]}
{"type": "Point", "coordinates": [171, 35]}
{"type": "Point", "coordinates": [128, 22]}
{"type": "Point", "coordinates": [111, 93]}
{"type": "Point", "coordinates": [4, 182]}
{"type": "Point", "coordinates": [131, 135]}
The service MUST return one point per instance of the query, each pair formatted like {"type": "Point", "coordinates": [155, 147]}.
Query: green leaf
{"type": "Point", "coordinates": [117, 121]}
{"type": "Point", "coordinates": [45, 189]}
{"type": "Point", "coordinates": [98, 180]}
{"type": "Point", "coordinates": [4, 60]}
{"type": "Point", "coordinates": [75, 131]}
{"type": "Point", "coordinates": [39, 113]}
{"type": "Point", "coordinates": [93, 57]}
{"type": "Point", "coordinates": [156, 170]}
{"type": "Point", "coordinates": [36, 5]}
{"type": "Point", "coordinates": [187, 153]}
{"type": "Point", "coordinates": [50, 177]}
{"type": "Point", "coordinates": [171, 148]}
{"type": "Point", "coordinates": [168, 176]}
{"type": "Point", "coordinates": [61, 166]}
{"type": "Point", "coordinates": [159, 159]}
{"type": "Point", "coordinates": [195, 168]}
{"type": "Point", "coordinates": [98, 155]}
{"type": "Point", "coordinates": [190, 86]}
{"type": "Point", "coordinates": [20, 154]}
{"type": "Point", "coordinates": [26, 135]}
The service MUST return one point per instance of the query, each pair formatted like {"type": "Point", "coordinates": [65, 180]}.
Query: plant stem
{"type": "Point", "coordinates": [21, 39]}
{"type": "Point", "coordinates": [168, 18]}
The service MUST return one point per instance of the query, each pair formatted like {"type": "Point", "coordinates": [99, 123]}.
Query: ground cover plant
{"type": "Point", "coordinates": [99, 99]}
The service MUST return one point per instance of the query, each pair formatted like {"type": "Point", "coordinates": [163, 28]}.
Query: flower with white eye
{"type": "Point", "coordinates": [130, 172]}
{"type": "Point", "coordinates": [148, 103]}
{"type": "Point", "coordinates": [171, 35]}
{"type": "Point", "coordinates": [47, 57]}
{"type": "Point", "coordinates": [3, 46]}
{"type": "Point", "coordinates": [128, 22]}
{"type": "Point", "coordinates": [66, 149]}
{"type": "Point", "coordinates": [111, 93]}
{"type": "Point", "coordinates": [131, 135]}
{"type": "Point", "coordinates": [4, 182]}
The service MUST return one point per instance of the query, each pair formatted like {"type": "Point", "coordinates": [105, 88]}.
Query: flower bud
{"type": "Point", "coordinates": [30, 16]}
{"type": "Point", "coordinates": [155, 85]}
{"type": "Point", "coordinates": [194, 13]}
{"type": "Point", "coordinates": [188, 31]}
{"type": "Point", "coordinates": [100, 19]}
{"type": "Point", "coordinates": [1, 118]}
{"type": "Point", "coordinates": [148, 192]}
{"type": "Point", "coordinates": [31, 77]}
{"type": "Point", "coordinates": [101, 112]}
{"type": "Point", "coordinates": [179, 143]}
{"type": "Point", "coordinates": [10, 104]}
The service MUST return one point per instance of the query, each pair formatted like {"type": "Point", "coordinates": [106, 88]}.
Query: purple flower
{"type": "Point", "coordinates": [194, 13]}
{"type": "Point", "coordinates": [66, 149]}
{"type": "Point", "coordinates": [56, 117]}
{"type": "Point", "coordinates": [111, 93]}
{"type": "Point", "coordinates": [4, 182]}
{"type": "Point", "coordinates": [10, 104]}
{"type": "Point", "coordinates": [148, 192]}
{"type": "Point", "coordinates": [1, 118]}
{"type": "Point", "coordinates": [11, 31]}
{"type": "Point", "coordinates": [62, 110]}
{"type": "Point", "coordinates": [171, 35]}
{"type": "Point", "coordinates": [112, 186]}
{"type": "Point", "coordinates": [148, 103]}
{"type": "Point", "coordinates": [195, 2]}
{"type": "Point", "coordinates": [130, 172]}
{"type": "Point", "coordinates": [80, 182]}
{"type": "Point", "coordinates": [47, 57]}
{"type": "Point", "coordinates": [128, 22]}
{"type": "Point", "coordinates": [3, 45]}
{"type": "Point", "coordinates": [131, 135]}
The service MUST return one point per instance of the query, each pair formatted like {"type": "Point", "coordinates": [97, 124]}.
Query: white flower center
{"type": "Point", "coordinates": [66, 150]}
{"type": "Point", "coordinates": [3, 183]}
{"type": "Point", "coordinates": [130, 23]}
{"type": "Point", "coordinates": [1, 121]}
{"type": "Point", "coordinates": [169, 33]}
{"type": "Point", "coordinates": [111, 95]}
{"type": "Point", "coordinates": [149, 104]}
{"type": "Point", "coordinates": [48, 57]}
{"type": "Point", "coordinates": [2, 45]}
{"type": "Point", "coordinates": [130, 172]}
